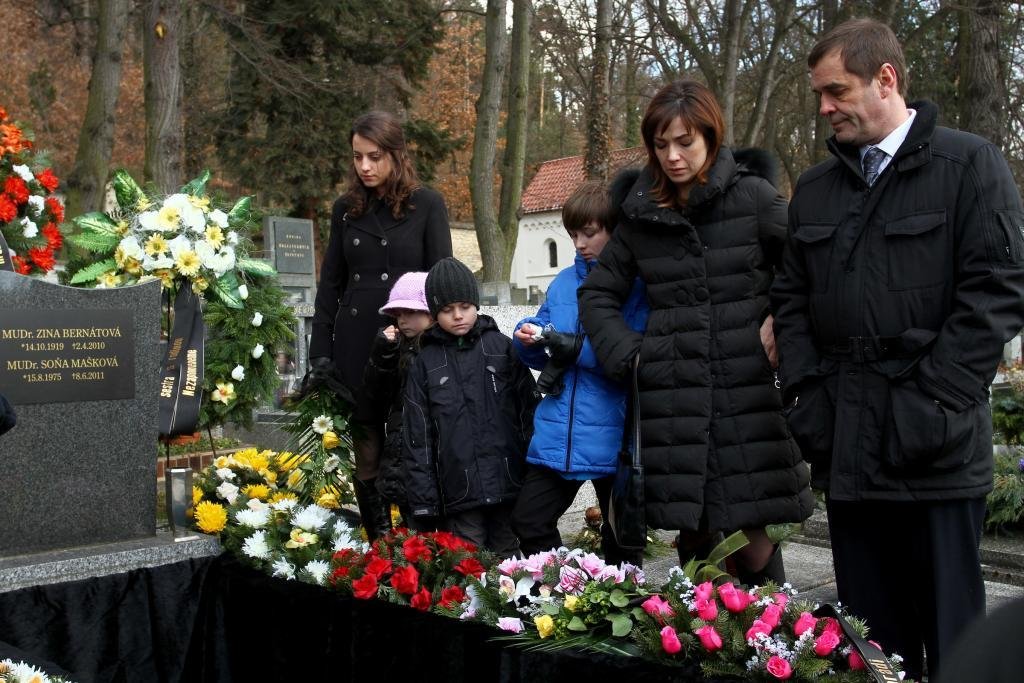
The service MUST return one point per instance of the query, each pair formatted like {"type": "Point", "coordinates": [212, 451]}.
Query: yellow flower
{"type": "Point", "coordinates": [253, 459]}
{"type": "Point", "coordinates": [570, 602]}
{"type": "Point", "coordinates": [109, 279]}
{"type": "Point", "coordinates": [256, 491]}
{"type": "Point", "coordinates": [269, 475]}
{"type": "Point", "coordinates": [300, 539]}
{"type": "Point", "coordinates": [545, 625]}
{"type": "Point", "coordinates": [199, 202]}
{"type": "Point", "coordinates": [142, 204]}
{"type": "Point", "coordinates": [225, 392]}
{"type": "Point", "coordinates": [187, 262]}
{"type": "Point", "coordinates": [287, 461]}
{"type": "Point", "coordinates": [166, 276]}
{"type": "Point", "coordinates": [168, 217]}
{"type": "Point", "coordinates": [282, 495]}
{"type": "Point", "coordinates": [123, 227]}
{"type": "Point", "coordinates": [197, 495]}
{"type": "Point", "coordinates": [214, 236]}
{"type": "Point", "coordinates": [119, 256]}
{"type": "Point", "coordinates": [328, 500]}
{"type": "Point", "coordinates": [295, 479]}
{"type": "Point", "coordinates": [224, 461]}
{"type": "Point", "coordinates": [211, 517]}
{"type": "Point", "coordinates": [199, 285]}
{"type": "Point", "coordinates": [331, 440]}
{"type": "Point", "coordinates": [156, 245]}
{"type": "Point", "coordinates": [133, 266]}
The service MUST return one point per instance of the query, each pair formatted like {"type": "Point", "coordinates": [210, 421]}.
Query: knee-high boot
{"type": "Point", "coordinates": [774, 571]}
{"type": "Point", "coordinates": [373, 509]}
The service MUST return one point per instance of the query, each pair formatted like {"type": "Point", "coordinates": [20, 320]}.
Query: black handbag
{"type": "Point", "coordinates": [626, 515]}
{"type": "Point", "coordinates": [879, 668]}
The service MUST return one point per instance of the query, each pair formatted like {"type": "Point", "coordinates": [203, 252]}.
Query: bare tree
{"type": "Point", "coordinates": [161, 23]}
{"type": "Point", "coordinates": [595, 161]}
{"type": "Point", "coordinates": [982, 84]}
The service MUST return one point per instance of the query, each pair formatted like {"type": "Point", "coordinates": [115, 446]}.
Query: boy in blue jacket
{"type": "Point", "coordinates": [578, 425]}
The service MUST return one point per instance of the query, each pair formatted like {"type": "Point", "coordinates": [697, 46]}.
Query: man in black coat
{"type": "Point", "coordinates": [901, 282]}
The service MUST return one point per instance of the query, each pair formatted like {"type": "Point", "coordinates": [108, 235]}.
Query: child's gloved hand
{"type": "Point", "coordinates": [390, 333]}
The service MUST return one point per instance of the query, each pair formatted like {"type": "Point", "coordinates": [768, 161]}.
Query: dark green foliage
{"type": "Point", "coordinates": [1008, 417]}
{"type": "Point", "coordinates": [1005, 503]}
{"type": "Point", "coordinates": [430, 146]}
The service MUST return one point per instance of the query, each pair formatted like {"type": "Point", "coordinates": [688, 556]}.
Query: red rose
{"type": "Point", "coordinates": [339, 573]}
{"type": "Point", "coordinates": [42, 257]}
{"type": "Point", "coordinates": [670, 640]}
{"type": "Point", "coordinates": [470, 567]}
{"type": "Point", "coordinates": [805, 622]}
{"type": "Point", "coordinates": [343, 554]}
{"type": "Point", "coordinates": [734, 600]}
{"type": "Point", "coordinates": [831, 625]}
{"type": "Point", "coordinates": [53, 237]}
{"type": "Point", "coordinates": [48, 180]}
{"type": "Point", "coordinates": [421, 600]}
{"type": "Point", "coordinates": [415, 549]}
{"type": "Point", "coordinates": [451, 596]}
{"type": "Point", "coordinates": [855, 661]}
{"type": "Point", "coordinates": [772, 615]}
{"type": "Point", "coordinates": [8, 209]}
{"type": "Point", "coordinates": [56, 208]}
{"type": "Point", "coordinates": [366, 587]}
{"type": "Point", "coordinates": [17, 189]}
{"type": "Point", "coordinates": [20, 266]}
{"type": "Point", "coordinates": [378, 567]}
{"type": "Point", "coordinates": [779, 667]}
{"type": "Point", "coordinates": [405, 580]}
{"type": "Point", "coordinates": [758, 627]}
{"type": "Point", "coordinates": [825, 643]}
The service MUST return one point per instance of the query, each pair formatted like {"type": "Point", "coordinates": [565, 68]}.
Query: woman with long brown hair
{"type": "Point", "coordinates": [385, 225]}
{"type": "Point", "coordinates": [703, 227]}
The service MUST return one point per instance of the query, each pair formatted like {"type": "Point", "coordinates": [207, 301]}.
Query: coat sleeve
{"type": "Point", "coordinates": [437, 235]}
{"type": "Point", "coordinates": [533, 356]}
{"type": "Point", "coordinates": [600, 300]}
{"type": "Point", "coordinates": [988, 300]}
{"type": "Point", "coordinates": [772, 221]}
{"type": "Point", "coordinates": [418, 454]}
{"type": "Point", "coordinates": [527, 397]}
{"type": "Point", "coordinates": [381, 379]}
{"type": "Point", "coordinates": [333, 277]}
{"type": "Point", "coordinates": [7, 416]}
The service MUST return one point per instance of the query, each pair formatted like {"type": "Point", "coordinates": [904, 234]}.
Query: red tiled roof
{"type": "Point", "coordinates": [557, 179]}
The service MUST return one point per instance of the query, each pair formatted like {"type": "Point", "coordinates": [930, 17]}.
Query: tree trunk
{"type": "Point", "coordinates": [515, 132]}
{"type": "Point", "coordinates": [631, 133]}
{"type": "Point", "coordinates": [595, 161]}
{"type": "Point", "coordinates": [822, 129]}
{"type": "Point", "coordinates": [485, 139]}
{"type": "Point", "coordinates": [982, 89]}
{"type": "Point", "coordinates": [87, 181]}
{"type": "Point", "coordinates": [783, 17]}
{"type": "Point", "coordinates": [734, 12]}
{"type": "Point", "coordinates": [161, 20]}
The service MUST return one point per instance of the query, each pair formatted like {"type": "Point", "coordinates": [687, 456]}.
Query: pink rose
{"type": "Point", "coordinates": [658, 608]}
{"type": "Point", "coordinates": [772, 615]}
{"type": "Point", "coordinates": [734, 600]}
{"type": "Point", "coordinates": [670, 640]}
{"type": "Point", "coordinates": [704, 591]}
{"type": "Point", "coordinates": [855, 661]}
{"type": "Point", "coordinates": [758, 627]}
{"type": "Point", "coordinates": [825, 643]}
{"type": "Point", "coordinates": [805, 622]}
{"type": "Point", "coordinates": [709, 638]}
{"type": "Point", "coordinates": [706, 609]}
{"type": "Point", "coordinates": [831, 625]}
{"type": "Point", "coordinates": [781, 599]}
{"type": "Point", "coordinates": [779, 667]}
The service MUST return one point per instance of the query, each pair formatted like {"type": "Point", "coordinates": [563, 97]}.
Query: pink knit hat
{"type": "Point", "coordinates": [407, 293]}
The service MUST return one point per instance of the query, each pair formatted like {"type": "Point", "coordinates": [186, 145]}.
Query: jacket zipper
{"type": "Point", "coordinates": [572, 409]}
{"type": "Point", "coordinates": [1008, 238]}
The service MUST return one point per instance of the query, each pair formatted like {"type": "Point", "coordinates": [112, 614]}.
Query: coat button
{"type": "Point", "coordinates": [383, 243]}
{"type": "Point", "coordinates": [356, 241]}
{"type": "Point", "coordinates": [383, 276]}
{"type": "Point", "coordinates": [354, 312]}
{"type": "Point", "coordinates": [356, 277]}
{"type": "Point", "coordinates": [639, 194]}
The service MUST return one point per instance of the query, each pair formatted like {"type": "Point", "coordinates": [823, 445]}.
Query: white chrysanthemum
{"type": "Point", "coordinates": [346, 539]}
{"type": "Point", "coordinates": [257, 519]}
{"type": "Point", "coordinates": [318, 569]}
{"type": "Point", "coordinates": [257, 319]}
{"type": "Point", "coordinates": [311, 517]}
{"type": "Point", "coordinates": [238, 374]}
{"type": "Point", "coordinates": [190, 215]}
{"type": "Point", "coordinates": [36, 203]}
{"type": "Point", "coordinates": [228, 492]}
{"type": "Point", "coordinates": [21, 672]}
{"type": "Point", "coordinates": [24, 171]}
{"type": "Point", "coordinates": [219, 217]}
{"type": "Point", "coordinates": [243, 292]}
{"type": "Point", "coordinates": [226, 473]}
{"type": "Point", "coordinates": [284, 504]}
{"type": "Point", "coordinates": [322, 424]}
{"type": "Point", "coordinates": [331, 463]}
{"type": "Point", "coordinates": [283, 569]}
{"type": "Point", "coordinates": [257, 351]}
{"type": "Point", "coordinates": [28, 228]}
{"type": "Point", "coordinates": [256, 545]}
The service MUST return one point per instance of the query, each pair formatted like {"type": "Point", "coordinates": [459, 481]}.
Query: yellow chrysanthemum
{"type": "Point", "coordinates": [256, 491]}
{"type": "Point", "coordinates": [211, 518]}
{"type": "Point", "coordinates": [328, 500]}
{"type": "Point", "coordinates": [119, 256]}
{"type": "Point", "coordinates": [142, 204]}
{"type": "Point", "coordinates": [288, 461]}
{"type": "Point", "coordinates": [282, 495]}
{"type": "Point", "coordinates": [214, 236]}
{"type": "Point", "coordinates": [199, 202]}
{"type": "Point", "coordinates": [545, 625]}
{"type": "Point", "coordinates": [295, 478]}
{"type": "Point", "coordinates": [224, 461]}
{"type": "Point", "coordinates": [187, 262]}
{"type": "Point", "coordinates": [253, 459]}
{"type": "Point", "coordinates": [269, 475]}
{"type": "Point", "coordinates": [109, 279]}
{"type": "Point", "coordinates": [156, 245]}
{"type": "Point", "coordinates": [197, 495]}
{"type": "Point", "coordinates": [168, 217]}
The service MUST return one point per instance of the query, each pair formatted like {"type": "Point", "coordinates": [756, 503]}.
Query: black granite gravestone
{"type": "Point", "coordinates": [82, 368]}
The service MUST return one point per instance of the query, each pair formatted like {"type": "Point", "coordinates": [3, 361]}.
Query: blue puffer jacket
{"type": "Point", "coordinates": [579, 432]}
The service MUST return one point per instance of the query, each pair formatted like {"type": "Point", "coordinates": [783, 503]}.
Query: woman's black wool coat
{"type": "Point", "coordinates": [716, 449]}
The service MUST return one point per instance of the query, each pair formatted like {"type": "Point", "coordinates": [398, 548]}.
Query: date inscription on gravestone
{"type": "Point", "coordinates": [293, 246]}
{"type": "Point", "coordinates": [55, 356]}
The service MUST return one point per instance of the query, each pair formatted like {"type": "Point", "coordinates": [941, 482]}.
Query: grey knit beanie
{"type": "Point", "coordinates": [450, 281]}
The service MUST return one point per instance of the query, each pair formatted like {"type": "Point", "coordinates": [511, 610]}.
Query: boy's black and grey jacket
{"type": "Point", "coordinates": [384, 380]}
{"type": "Point", "coordinates": [467, 421]}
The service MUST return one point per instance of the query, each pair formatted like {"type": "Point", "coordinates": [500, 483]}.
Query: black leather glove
{"type": "Point", "coordinates": [385, 351]}
{"type": "Point", "coordinates": [563, 347]}
{"type": "Point", "coordinates": [323, 375]}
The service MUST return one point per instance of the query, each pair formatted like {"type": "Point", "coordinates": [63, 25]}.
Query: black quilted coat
{"type": "Point", "coordinates": [716, 448]}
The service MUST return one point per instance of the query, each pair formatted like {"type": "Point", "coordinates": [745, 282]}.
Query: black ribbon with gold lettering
{"type": "Point", "coordinates": [874, 659]}
{"type": "Point", "coordinates": [5, 255]}
{"type": "Point", "coordinates": [181, 385]}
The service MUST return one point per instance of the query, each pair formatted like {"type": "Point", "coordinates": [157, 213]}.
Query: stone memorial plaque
{"type": "Point", "coordinates": [293, 245]}
{"type": "Point", "coordinates": [51, 356]}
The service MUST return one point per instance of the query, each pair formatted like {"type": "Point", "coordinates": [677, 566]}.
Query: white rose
{"type": "Point", "coordinates": [243, 292]}
{"type": "Point", "coordinates": [238, 373]}
{"type": "Point", "coordinates": [257, 351]}
{"type": "Point", "coordinates": [225, 473]}
{"type": "Point", "coordinates": [257, 319]}
{"type": "Point", "coordinates": [228, 492]}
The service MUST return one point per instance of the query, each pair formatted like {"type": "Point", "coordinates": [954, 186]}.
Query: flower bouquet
{"type": "Point", "coordinates": [427, 571]}
{"type": "Point", "coordinates": [322, 431]}
{"type": "Point", "coordinates": [29, 214]}
{"type": "Point", "coordinates": [20, 672]}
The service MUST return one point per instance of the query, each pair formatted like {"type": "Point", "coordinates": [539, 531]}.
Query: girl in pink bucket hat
{"type": "Point", "coordinates": [394, 348]}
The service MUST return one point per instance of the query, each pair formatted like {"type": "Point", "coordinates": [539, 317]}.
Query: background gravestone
{"type": "Point", "coordinates": [82, 368]}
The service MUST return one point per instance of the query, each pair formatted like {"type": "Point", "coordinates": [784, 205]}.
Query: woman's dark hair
{"type": "Point", "coordinates": [590, 203]}
{"type": "Point", "coordinates": [699, 111]}
{"type": "Point", "coordinates": [384, 130]}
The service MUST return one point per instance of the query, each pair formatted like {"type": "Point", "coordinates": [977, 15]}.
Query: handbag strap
{"type": "Point", "coordinates": [874, 659]}
{"type": "Point", "coordinates": [631, 426]}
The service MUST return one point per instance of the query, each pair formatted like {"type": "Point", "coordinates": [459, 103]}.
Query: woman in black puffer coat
{"type": "Point", "coordinates": [704, 230]}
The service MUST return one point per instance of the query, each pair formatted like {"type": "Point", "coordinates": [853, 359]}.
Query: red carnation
{"type": "Point", "coordinates": [53, 237]}
{"type": "Point", "coordinates": [421, 600]}
{"type": "Point", "coordinates": [17, 189]}
{"type": "Point", "coordinates": [42, 257]}
{"type": "Point", "coordinates": [451, 596]}
{"type": "Point", "coordinates": [378, 567]}
{"type": "Point", "coordinates": [20, 266]}
{"type": "Point", "coordinates": [48, 180]}
{"type": "Point", "coordinates": [415, 549]}
{"type": "Point", "coordinates": [339, 573]}
{"type": "Point", "coordinates": [366, 587]}
{"type": "Point", "coordinates": [56, 208]}
{"type": "Point", "coordinates": [470, 567]}
{"type": "Point", "coordinates": [8, 209]}
{"type": "Point", "coordinates": [405, 580]}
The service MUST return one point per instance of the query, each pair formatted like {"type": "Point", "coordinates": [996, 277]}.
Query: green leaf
{"type": "Point", "coordinates": [126, 190]}
{"type": "Point", "coordinates": [549, 608]}
{"type": "Point", "coordinates": [96, 223]}
{"type": "Point", "coordinates": [255, 267]}
{"type": "Point", "coordinates": [638, 613]}
{"type": "Point", "coordinates": [619, 598]}
{"type": "Point", "coordinates": [197, 186]}
{"type": "Point", "coordinates": [621, 625]}
{"type": "Point", "coordinates": [240, 212]}
{"type": "Point", "coordinates": [93, 271]}
{"type": "Point", "coordinates": [95, 242]}
{"type": "Point", "coordinates": [576, 624]}
{"type": "Point", "coordinates": [226, 289]}
{"type": "Point", "coordinates": [727, 547]}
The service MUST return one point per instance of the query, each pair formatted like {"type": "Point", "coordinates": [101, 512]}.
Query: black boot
{"type": "Point", "coordinates": [774, 571]}
{"type": "Point", "coordinates": [374, 511]}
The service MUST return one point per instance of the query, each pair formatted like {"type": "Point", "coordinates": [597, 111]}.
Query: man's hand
{"type": "Point", "coordinates": [768, 341]}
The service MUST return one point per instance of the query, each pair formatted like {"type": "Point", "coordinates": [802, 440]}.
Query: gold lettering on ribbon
{"type": "Point", "coordinates": [191, 373]}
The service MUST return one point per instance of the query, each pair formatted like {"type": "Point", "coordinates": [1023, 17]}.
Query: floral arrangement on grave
{"type": "Point", "coordinates": [30, 215]}
{"type": "Point", "coordinates": [188, 240]}
{"type": "Point", "coordinates": [20, 672]}
{"type": "Point", "coordinates": [427, 571]}
{"type": "Point", "coordinates": [253, 500]}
